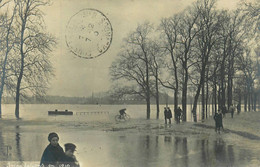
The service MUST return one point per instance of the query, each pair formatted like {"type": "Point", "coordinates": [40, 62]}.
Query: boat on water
{"type": "Point", "coordinates": [56, 112]}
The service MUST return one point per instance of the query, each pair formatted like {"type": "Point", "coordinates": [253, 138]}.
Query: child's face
{"type": "Point", "coordinates": [54, 141]}
{"type": "Point", "coordinates": [69, 153]}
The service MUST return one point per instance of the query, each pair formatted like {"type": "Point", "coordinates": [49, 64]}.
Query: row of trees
{"type": "Point", "coordinates": [24, 50]}
{"type": "Point", "coordinates": [212, 53]}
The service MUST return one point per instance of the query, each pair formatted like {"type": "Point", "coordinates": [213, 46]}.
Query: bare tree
{"type": "Point", "coordinates": [7, 42]}
{"type": "Point", "coordinates": [33, 67]}
{"type": "Point", "coordinates": [187, 32]}
{"type": "Point", "coordinates": [156, 54]}
{"type": "Point", "coordinates": [206, 38]}
{"type": "Point", "coordinates": [134, 64]}
{"type": "Point", "coordinates": [169, 32]}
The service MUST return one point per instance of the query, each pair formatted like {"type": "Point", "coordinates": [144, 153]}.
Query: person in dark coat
{"type": "Point", "coordinates": [165, 115]}
{"type": "Point", "coordinates": [169, 114]}
{"type": "Point", "coordinates": [178, 114]}
{"type": "Point", "coordinates": [53, 152]}
{"type": "Point", "coordinates": [220, 118]}
{"type": "Point", "coordinates": [224, 110]}
{"type": "Point", "coordinates": [122, 113]}
{"type": "Point", "coordinates": [218, 121]}
{"type": "Point", "coordinates": [232, 110]}
{"type": "Point", "coordinates": [69, 158]}
{"type": "Point", "coordinates": [238, 108]}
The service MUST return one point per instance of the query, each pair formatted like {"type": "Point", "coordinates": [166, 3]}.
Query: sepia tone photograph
{"type": "Point", "coordinates": [129, 83]}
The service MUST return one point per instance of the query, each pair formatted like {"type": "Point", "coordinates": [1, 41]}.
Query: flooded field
{"type": "Point", "coordinates": [102, 142]}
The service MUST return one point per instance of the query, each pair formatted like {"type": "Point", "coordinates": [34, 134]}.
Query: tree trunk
{"type": "Point", "coordinates": [202, 79]}
{"type": "Point", "coordinates": [18, 86]}
{"type": "Point", "coordinates": [229, 87]}
{"type": "Point", "coordinates": [148, 107]}
{"type": "Point", "coordinates": [245, 102]}
{"type": "Point", "coordinates": [0, 106]}
{"type": "Point", "coordinates": [184, 95]}
{"type": "Point", "coordinates": [203, 100]}
{"type": "Point", "coordinates": [255, 100]}
{"type": "Point", "coordinates": [207, 97]}
{"type": "Point", "coordinates": [175, 103]}
{"type": "Point", "coordinates": [249, 98]}
{"type": "Point", "coordinates": [215, 94]}
{"type": "Point", "coordinates": [157, 95]}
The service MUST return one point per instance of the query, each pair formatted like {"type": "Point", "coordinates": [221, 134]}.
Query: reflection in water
{"type": "Point", "coordinates": [18, 145]}
{"type": "Point", "coordinates": [2, 148]}
{"type": "Point", "coordinates": [106, 149]}
{"type": "Point", "coordinates": [185, 151]}
{"type": "Point", "coordinates": [204, 152]}
{"type": "Point", "coordinates": [231, 156]}
{"type": "Point", "coordinates": [220, 151]}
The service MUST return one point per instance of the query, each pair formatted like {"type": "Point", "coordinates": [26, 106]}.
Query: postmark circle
{"type": "Point", "coordinates": [89, 33]}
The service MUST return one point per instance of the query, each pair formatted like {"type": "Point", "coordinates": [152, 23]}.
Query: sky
{"type": "Point", "coordinates": [75, 76]}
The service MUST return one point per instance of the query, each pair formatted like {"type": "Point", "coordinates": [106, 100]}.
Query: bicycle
{"type": "Point", "coordinates": [122, 118]}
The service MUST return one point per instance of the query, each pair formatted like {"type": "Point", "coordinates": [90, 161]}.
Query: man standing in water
{"type": "Point", "coordinates": [53, 152]}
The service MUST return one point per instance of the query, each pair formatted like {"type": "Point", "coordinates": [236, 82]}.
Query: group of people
{"type": "Point", "coordinates": [54, 155]}
{"type": "Point", "coordinates": [218, 117]}
{"type": "Point", "coordinates": [231, 109]}
{"type": "Point", "coordinates": [168, 114]}
{"type": "Point", "coordinates": [218, 121]}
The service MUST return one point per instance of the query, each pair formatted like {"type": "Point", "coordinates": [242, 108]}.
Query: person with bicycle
{"type": "Point", "coordinates": [122, 113]}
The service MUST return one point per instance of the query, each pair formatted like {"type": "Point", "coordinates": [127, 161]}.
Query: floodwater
{"type": "Point", "coordinates": [24, 145]}
{"type": "Point", "coordinates": [110, 149]}
{"type": "Point", "coordinates": [36, 111]}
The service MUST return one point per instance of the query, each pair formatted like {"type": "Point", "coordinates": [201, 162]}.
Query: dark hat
{"type": "Point", "coordinates": [52, 135]}
{"type": "Point", "coordinates": [70, 146]}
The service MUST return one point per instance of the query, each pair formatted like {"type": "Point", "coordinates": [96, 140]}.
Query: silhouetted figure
{"type": "Point", "coordinates": [69, 158]}
{"type": "Point", "coordinates": [232, 110]}
{"type": "Point", "coordinates": [167, 114]}
{"type": "Point", "coordinates": [179, 112]}
{"type": "Point", "coordinates": [53, 152]}
{"type": "Point", "coordinates": [218, 121]}
{"type": "Point", "coordinates": [122, 113]}
{"type": "Point", "coordinates": [238, 109]}
{"type": "Point", "coordinates": [224, 110]}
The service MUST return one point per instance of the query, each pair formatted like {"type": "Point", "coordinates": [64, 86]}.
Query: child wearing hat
{"type": "Point", "coordinates": [53, 152]}
{"type": "Point", "coordinates": [69, 158]}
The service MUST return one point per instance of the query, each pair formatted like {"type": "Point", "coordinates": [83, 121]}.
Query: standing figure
{"type": "Point", "coordinates": [179, 113]}
{"type": "Point", "coordinates": [216, 121]}
{"type": "Point", "coordinates": [238, 108]}
{"type": "Point", "coordinates": [220, 118]}
{"type": "Point", "coordinates": [165, 115]}
{"type": "Point", "coordinates": [69, 158]}
{"type": "Point", "coordinates": [53, 152]}
{"type": "Point", "coordinates": [169, 114]}
{"type": "Point", "coordinates": [232, 110]}
{"type": "Point", "coordinates": [224, 111]}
